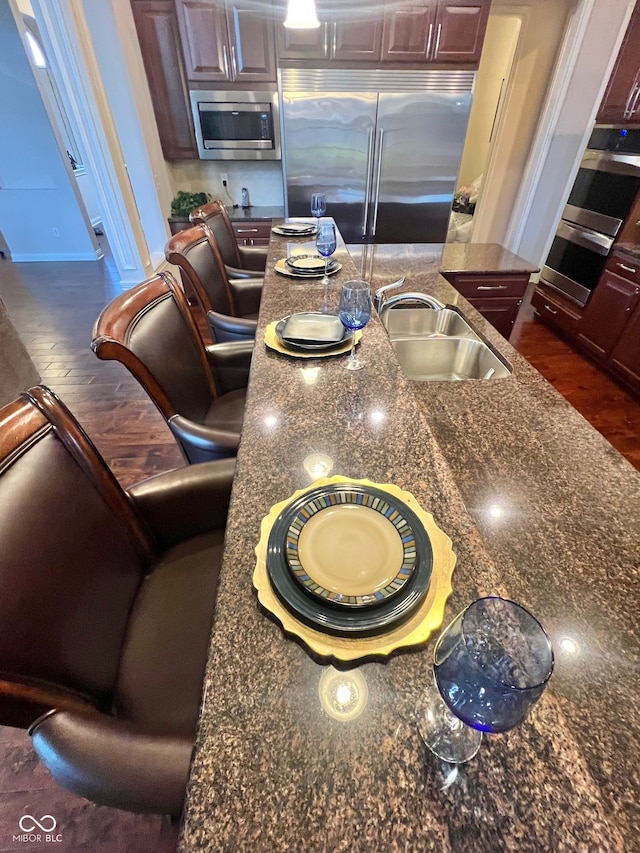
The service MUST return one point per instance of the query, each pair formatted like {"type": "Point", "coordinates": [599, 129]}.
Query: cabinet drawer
{"type": "Point", "coordinates": [252, 233]}
{"type": "Point", "coordinates": [625, 267]}
{"type": "Point", "coordinates": [555, 312]}
{"type": "Point", "coordinates": [483, 286]}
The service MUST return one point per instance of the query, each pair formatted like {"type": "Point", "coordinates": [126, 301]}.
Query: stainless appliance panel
{"type": "Point", "coordinates": [329, 141]}
{"type": "Point", "coordinates": [566, 286]}
{"type": "Point", "coordinates": [236, 125]}
{"type": "Point", "coordinates": [386, 154]}
{"type": "Point", "coordinates": [419, 145]}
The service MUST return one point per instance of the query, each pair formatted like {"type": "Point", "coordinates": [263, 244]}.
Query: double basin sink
{"type": "Point", "coordinates": [438, 344]}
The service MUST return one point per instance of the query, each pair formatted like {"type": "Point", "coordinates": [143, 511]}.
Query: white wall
{"type": "Point", "coordinates": [37, 190]}
{"type": "Point", "coordinates": [489, 94]}
{"type": "Point", "coordinates": [541, 34]}
{"type": "Point", "coordinates": [566, 125]}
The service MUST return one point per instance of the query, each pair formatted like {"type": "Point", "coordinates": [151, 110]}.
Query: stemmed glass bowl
{"type": "Point", "coordinates": [318, 206]}
{"type": "Point", "coordinates": [354, 311]}
{"type": "Point", "coordinates": [326, 245]}
{"type": "Point", "coordinates": [491, 664]}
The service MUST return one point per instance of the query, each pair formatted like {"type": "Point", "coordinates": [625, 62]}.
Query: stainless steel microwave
{"type": "Point", "coordinates": [236, 125]}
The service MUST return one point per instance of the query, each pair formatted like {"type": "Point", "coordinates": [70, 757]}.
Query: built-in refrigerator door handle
{"type": "Point", "coordinates": [367, 190]}
{"type": "Point", "coordinates": [378, 171]}
{"type": "Point", "coordinates": [326, 39]}
{"type": "Point", "coordinates": [429, 41]}
{"type": "Point", "coordinates": [334, 40]}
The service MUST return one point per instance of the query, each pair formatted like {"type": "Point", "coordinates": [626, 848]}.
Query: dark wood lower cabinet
{"type": "Point", "coordinates": [608, 328]}
{"type": "Point", "coordinates": [252, 233]}
{"type": "Point", "coordinates": [497, 296]}
{"type": "Point", "coordinates": [607, 313]}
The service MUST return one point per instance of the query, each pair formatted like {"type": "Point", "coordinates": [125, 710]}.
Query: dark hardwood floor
{"type": "Point", "coordinates": [54, 306]}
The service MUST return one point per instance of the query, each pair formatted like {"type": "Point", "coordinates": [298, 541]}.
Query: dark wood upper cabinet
{"type": "Point", "coordinates": [459, 31]}
{"type": "Point", "coordinates": [226, 42]}
{"type": "Point", "coordinates": [408, 32]}
{"type": "Point", "coordinates": [621, 101]}
{"type": "Point", "coordinates": [157, 28]}
{"type": "Point", "coordinates": [607, 313]}
{"type": "Point", "coordinates": [417, 32]}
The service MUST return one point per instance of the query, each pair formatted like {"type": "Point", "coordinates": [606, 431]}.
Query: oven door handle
{"type": "Point", "coordinates": [599, 243]}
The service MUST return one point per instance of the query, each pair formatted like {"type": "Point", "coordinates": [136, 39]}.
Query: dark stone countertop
{"type": "Point", "coordinates": [255, 213]}
{"type": "Point", "coordinates": [540, 508]}
{"type": "Point", "coordinates": [631, 249]}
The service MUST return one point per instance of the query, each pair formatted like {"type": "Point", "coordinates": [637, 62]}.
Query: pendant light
{"type": "Point", "coordinates": [301, 15]}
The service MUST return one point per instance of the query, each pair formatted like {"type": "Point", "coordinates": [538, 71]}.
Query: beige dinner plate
{"type": "Point", "coordinates": [350, 550]}
{"type": "Point", "coordinates": [282, 268]}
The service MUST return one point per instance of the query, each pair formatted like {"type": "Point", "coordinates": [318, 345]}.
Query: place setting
{"type": "Point", "coordinates": [316, 334]}
{"type": "Point", "coordinates": [353, 568]}
{"type": "Point", "coordinates": [309, 264]}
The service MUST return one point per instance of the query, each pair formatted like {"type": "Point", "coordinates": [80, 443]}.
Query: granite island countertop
{"type": "Point", "coordinates": [540, 509]}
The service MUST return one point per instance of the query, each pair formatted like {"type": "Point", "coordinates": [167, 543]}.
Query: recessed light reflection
{"type": "Point", "coordinates": [377, 416]}
{"type": "Point", "coordinates": [343, 695]}
{"type": "Point", "coordinates": [496, 511]}
{"type": "Point", "coordinates": [569, 646]}
{"type": "Point", "coordinates": [317, 465]}
{"type": "Point", "coordinates": [271, 421]}
{"type": "Point", "coordinates": [310, 375]}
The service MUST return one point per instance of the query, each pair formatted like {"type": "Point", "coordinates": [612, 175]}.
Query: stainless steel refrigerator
{"type": "Point", "coordinates": [384, 146]}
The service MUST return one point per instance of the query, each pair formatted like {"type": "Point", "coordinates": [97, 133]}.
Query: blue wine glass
{"type": "Point", "coordinates": [326, 246]}
{"type": "Point", "coordinates": [318, 206]}
{"type": "Point", "coordinates": [354, 311]}
{"type": "Point", "coordinates": [491, 664]}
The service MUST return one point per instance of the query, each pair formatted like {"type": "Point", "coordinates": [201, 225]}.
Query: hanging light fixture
{"type": "Point", "coordinates": [301, 15]}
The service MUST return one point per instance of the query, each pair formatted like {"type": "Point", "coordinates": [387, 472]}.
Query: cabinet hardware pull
{"type": "Point", "coordinates": [234, 64]}
{"type": "Point", "coordinates": [247, 230]}
{"type": "Point", "coordinates": [625, 267]}
{"type": "Point", "coordinates": [225, 62]}
{"type": "Point", "coordinates": [491, 287]}
{"type": "Point", "coordinates": [437, 47]}
{"type": "Point", "coordinates": [334, 47]}
{"type": "Point", "coordinates": [429, 41]}
{"type": "Point", "coordinates": [550, 309]}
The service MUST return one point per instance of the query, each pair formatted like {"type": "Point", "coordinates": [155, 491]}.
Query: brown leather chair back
{"type": "Point", "coordinates": [214, 215]}
{"type": "Point", "coordinates": [151, 330]}
{"type": "Point", "coordinates": [72, 554]}
{"type": "Point", "coordinates": [202, 268]}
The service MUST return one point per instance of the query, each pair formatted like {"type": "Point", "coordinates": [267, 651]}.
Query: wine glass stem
{"type": "Point", "coordinates": [352, 354]}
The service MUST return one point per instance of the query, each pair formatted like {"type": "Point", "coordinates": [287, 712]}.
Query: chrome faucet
{"type": "Point", "coordinates": [383, 305]}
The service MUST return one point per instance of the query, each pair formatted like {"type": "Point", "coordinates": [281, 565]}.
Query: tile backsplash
{"type": "Point", "coordinates": [263, 180]}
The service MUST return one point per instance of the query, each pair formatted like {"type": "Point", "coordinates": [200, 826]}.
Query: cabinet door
{"type": "Point", "coordinates": [607, 313]}
{"type": "Point", "coordinates": [358, 40]}
{"type": "Point", "coordinates": [252, 42]}
{"type": "Point", "coordinates": [408, 33]}
{"type": "Point", "coordinates": [459, 31]}
{"type": "Point", "coordinates": [159, 38]}
{"type": "Point", "coordinates": [501, 312]}
{"type": "Point", "coordinates": [622, 95]}
{"type": "Point", "coordinates": [625, 356]}
{"type": "Point", "coordinates": [307, 44]}
{"type": "Point", "coordinates": [203, 30]}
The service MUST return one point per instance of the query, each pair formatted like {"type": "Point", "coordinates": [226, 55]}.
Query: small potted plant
{"type": "Point", "coordinates": [181, 206]}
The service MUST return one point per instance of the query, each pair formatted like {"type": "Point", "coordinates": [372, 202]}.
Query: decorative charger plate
{"type": "Point", "coordinates": [415, 631]}
{"type": "Point", "coordinates": [351, 547]}
{"type": "Point", "coordinates": [282, 268]}
{"type": "Point", "coordinates": [273, 342]}
{"type": "Point", "coordinates": [361, 618]}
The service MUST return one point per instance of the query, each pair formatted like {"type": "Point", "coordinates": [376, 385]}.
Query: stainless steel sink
{"type": "Point", "coordinates": [440, 345]}
{"type": "Point", "coordinates": [448, 359]}
{"type": "Point", "coordinates": [411, 322]}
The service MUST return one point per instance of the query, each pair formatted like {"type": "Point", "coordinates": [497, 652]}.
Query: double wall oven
{"type": "Point", "coordinates": [602, 196]}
